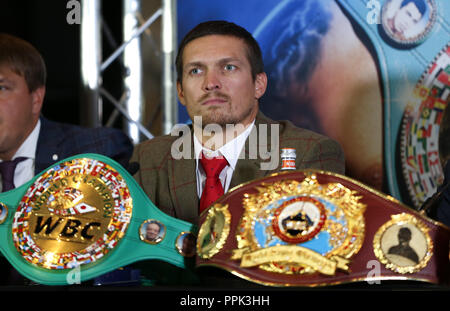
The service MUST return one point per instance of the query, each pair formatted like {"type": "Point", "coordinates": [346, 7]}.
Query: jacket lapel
{"type": "Point", "coordinates": [250, 166]}
{"type": "Point", "coordinates": [183, 186]}
{"type": "Point", "coordinates": [47, 145]}
{"type": "Point", "coordinates": [245, 171]}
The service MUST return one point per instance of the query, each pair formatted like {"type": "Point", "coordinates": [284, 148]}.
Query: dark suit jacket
{"type": "Point", "coordinates": [58, 141]}
{"type": "Point", "coordinates": [171, 183]}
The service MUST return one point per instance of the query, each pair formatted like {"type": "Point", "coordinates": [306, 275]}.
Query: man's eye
{"type": "Point", "coordinates": [195, 71]}
{"type": "Point", "coordinates": [230, 67]}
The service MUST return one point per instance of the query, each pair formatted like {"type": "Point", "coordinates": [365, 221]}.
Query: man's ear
{"type": "Point", "coordinates": [38, 99]}
{"type": "Point", "coordinates": [260, 84]}
{"type": "Point", "coordinates": [180, 93]}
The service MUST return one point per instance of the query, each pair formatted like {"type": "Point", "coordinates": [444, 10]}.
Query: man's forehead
{"type": "Point", "coordinates": [224, 46]}
{"type": "Point", "coordinates": [215, 49]}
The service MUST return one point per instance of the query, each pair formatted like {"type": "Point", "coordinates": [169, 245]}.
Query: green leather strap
{"type": "Point", "coordinates": [52, 210]}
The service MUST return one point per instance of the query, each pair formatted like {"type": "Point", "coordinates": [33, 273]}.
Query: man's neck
{"type": "Point", "coordinates": [9, 154]}
{"type": "Point", "coordinates": [6, 156]}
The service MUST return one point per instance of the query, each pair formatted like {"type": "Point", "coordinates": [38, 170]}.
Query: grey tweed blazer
{"type": "Point", "coordinates": [171, 185]}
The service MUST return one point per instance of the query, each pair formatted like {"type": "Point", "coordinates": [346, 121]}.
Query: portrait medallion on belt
{"type": "Point", "coordinates": [408, 22]}
{"type": "Point", "coordinates": [152, 231]}
{"type": "Point", "coordinates": [403, 244]}
{"type": "Point", "coordinates": [186, 244]}
{"type": "Point", "coordinates": [3, 212]}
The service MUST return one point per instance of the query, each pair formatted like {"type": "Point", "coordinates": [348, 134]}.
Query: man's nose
{"type": "Point", "coordinates": [212, 81]}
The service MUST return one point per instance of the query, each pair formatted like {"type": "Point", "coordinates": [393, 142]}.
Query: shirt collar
{"type": "Point", "coordinates": [28, 147]}
{"type": "Point", "coordinates": [230, 150]}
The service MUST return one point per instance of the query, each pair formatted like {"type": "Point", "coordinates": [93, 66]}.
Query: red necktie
{"type": "Point", "coordinates": [213, 187]}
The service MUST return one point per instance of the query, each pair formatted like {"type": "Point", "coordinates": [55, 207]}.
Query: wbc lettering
{"type": "Point", "coordinates": [65, 228]}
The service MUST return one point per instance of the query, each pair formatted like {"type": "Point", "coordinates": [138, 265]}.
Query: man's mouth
{"type": "Point", "coordinates": [213, 99]}
{"type": "Point", "coordinates": [214, 102]}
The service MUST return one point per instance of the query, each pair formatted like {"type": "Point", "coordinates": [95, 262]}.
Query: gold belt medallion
{"type": "Point", "coordinates": [73, 214]}
{"type": "Point", "coordinates": [293, 227]}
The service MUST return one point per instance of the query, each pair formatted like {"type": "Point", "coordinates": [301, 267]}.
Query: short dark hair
{"type": "Point", "coordinates": [22, 58]}
{"type": "Point", "coordinates": [420, 5]}
{"type": "Point", "coordinates": [225, 28]}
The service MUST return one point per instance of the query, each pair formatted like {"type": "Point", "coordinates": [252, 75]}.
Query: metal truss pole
{"type": "Point", "coordinates": [132, 60]}
{"type": "Point", "coordinates": [132, 101]}
{"type": "Point", "coordinates": [169, 34]}
{"type": "Point", "coordinates": [91, 53]}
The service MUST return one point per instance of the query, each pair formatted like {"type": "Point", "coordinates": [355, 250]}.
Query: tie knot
{"type": "Point", "coordinates": [7, 166]}
{"type": "Point", "coordinates": [213, 166]}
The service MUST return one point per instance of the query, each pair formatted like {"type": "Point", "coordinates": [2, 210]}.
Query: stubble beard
{"type": "Point", "coordinates": [222, 116]}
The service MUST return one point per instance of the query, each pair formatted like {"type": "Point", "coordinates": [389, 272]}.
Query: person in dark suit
{"type": "Point", "coordinates": [60, 140]}
{"type": "Point", "coordinates": [32, 140]}
{"type": "Point", "coordinates": [26, 134]}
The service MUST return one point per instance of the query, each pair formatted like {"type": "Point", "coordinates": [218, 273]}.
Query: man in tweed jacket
{"type": "Point", "coordinates": [220, 79]}
{"type": "Point", "coordinates": [171, 183]}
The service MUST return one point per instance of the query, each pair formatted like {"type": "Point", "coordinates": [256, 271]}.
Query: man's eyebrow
{"type": "Point", "coordinates": [5, 80]}
{"type": "Point", "coordinates": [229, 59]}
{"type": "Point", "coordinates": [220, 61]}
{"type": "Point", "coordinates": [194, 64]}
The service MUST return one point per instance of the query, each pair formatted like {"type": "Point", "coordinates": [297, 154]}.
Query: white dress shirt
{"type": "Point", "coordinates": [230, 151]}
{"type": "Point", "coordinates": [25, 169]}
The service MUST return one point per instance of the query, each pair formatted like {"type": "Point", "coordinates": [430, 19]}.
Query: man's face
{"type": "Point", "coordinates": [19, 111]}
{"type": "Point", "coordinates": [217, 83]}
{"type": "Point", "coordinates": [152, 231]}
{"type": "Point", "coordinates": [407, 17]}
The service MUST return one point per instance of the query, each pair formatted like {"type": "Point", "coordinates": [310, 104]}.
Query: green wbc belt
{"type": "Point", "coordinates": [86, 215]}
